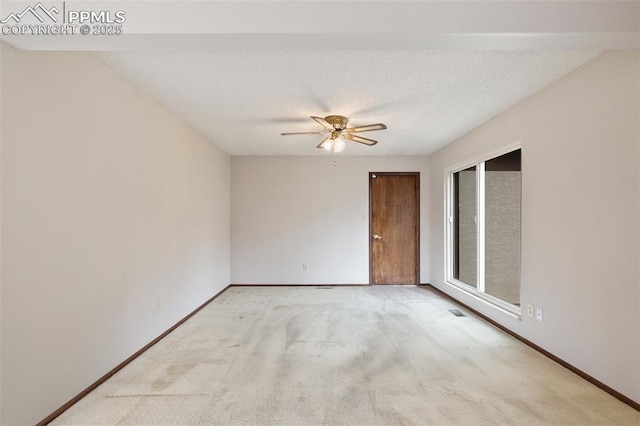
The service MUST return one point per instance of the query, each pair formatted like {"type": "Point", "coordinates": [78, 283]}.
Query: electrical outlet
{"type": "Point", "coordinates": [305, 268]}
{"type": "Point", "coordinates": [530, 310]}
{"type": "Point", "coordinates": [539, 314]}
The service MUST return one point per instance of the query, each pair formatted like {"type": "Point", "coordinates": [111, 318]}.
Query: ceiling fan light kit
{"type": "Point", "coordinates": [333, 145]}
{"type": "Point", "coordinates": [336, 132]}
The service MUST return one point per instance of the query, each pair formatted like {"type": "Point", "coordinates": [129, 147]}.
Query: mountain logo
{"type": "Point", "coordinates": [39, 11]}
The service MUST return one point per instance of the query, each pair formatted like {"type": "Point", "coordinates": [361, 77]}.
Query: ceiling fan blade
{"type": "Point", "coordinates": [360, 139]}
{"type": "Point", "coordinates": [367, 128]}
{"type": "Point", "coordinates": [324, 123]}
{"type": "Point", "coordinates": [324, 142]}
{"type": "Point", "coordinates": [302, 133]}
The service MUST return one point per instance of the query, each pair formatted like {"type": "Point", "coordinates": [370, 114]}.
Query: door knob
{"type": "Point", "coordinates": [377, 237]}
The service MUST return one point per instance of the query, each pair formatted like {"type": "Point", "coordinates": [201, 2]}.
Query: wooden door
{"type": "Point", "coordinates": [394, 232]}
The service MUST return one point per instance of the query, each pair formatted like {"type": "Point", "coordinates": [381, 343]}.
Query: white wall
{"type": "Point", "coordinates": [580, 216]}
{"type": "Point", "coordinates": [1, 315]}
{"type": "Point", "coordinates": [109, 204]}
{"type": "Point", "coordinates": [287, 211]}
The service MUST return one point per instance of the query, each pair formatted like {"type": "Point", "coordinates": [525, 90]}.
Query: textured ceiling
{"type": "Point", "coordinates": [243, 100]}
{"type": "Point", "coordinates": [242, 72]}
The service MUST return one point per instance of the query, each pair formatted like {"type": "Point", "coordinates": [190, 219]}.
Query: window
{"type": "Point", "coordinates": [483, 228]}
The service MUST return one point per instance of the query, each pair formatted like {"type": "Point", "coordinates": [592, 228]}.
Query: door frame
{"type": "Point", "coordinates": [371, 177]}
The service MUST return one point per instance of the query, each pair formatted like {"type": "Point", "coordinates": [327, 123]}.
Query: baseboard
{"type": "Point", "coordinates": [300, 285]}
{"type": "Point", "coordinates": [630, 402]}
{"type": "Point", "coordinates": [120, 366]}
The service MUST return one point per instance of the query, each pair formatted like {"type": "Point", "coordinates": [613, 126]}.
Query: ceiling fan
{"type": "Point", "coordinates": [336, 131]}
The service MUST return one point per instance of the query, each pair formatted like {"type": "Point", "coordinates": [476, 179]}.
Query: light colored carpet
{"type": "Point", "coordinates": [343, 356]}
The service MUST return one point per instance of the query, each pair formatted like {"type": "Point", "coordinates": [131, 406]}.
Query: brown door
{"type": "Point", "coordinates": [394, 228]}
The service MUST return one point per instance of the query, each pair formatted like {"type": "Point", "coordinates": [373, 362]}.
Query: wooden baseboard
{"type": "Point", "coordinates": [630, 402]}
{"type": "Point", "coordinates": [300, 285]}
{"type": "Point", "coordinates": [120, 366]}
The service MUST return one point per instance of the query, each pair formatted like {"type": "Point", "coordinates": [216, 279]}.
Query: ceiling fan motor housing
{"type": "Point", "coordinates": [337, 121]}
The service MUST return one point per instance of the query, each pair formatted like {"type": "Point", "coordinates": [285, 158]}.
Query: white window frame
{"type": "Point", "coordinates": [478, 292]}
